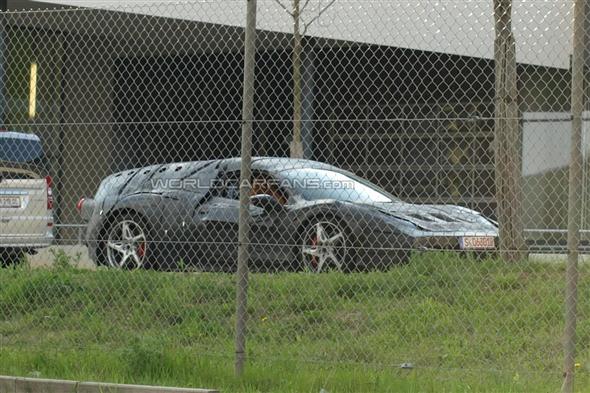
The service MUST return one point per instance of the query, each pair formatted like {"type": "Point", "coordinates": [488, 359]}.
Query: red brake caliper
{"type": "Point", "coordinates": [314, 260]}
{"type": "Point", "coordinates": [141, 249]}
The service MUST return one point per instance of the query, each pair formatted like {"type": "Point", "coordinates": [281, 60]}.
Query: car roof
{"type": "Point", "coordinates": [132, 178]}
{"type": "Point", "coordinates": [275, 164]}
{"type": "Point", "coordinates": [19, 135]}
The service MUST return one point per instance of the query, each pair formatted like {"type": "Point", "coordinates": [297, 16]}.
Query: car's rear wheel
{"type": "Point", "coordinates": [126, 246]}
{"type": "Point", "coordinates": [324, 247]}
{"type": "Point", "coordinates": [11, 257]}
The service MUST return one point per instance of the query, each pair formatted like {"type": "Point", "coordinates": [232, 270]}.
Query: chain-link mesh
{"type": "Point", "coordinates": [408, 192]}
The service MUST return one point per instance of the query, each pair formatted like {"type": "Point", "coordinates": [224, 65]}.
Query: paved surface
{"type": "Point", "coordinates": [77, 255]}
{"type": "Point", "coordinates": [556, 258]}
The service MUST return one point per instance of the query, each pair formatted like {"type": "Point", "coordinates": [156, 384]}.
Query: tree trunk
{"type": "Point", "coordinates": [507, 141]}
{"type": "Point", "coordinates": [297, 143]}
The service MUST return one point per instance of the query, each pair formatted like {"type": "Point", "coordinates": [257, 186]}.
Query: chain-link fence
{"type": "Point", "coordinates": [408, 194]}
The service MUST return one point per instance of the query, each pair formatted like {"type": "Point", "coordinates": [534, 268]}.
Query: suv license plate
{"type": "Point", "coordinates": [10, 202]}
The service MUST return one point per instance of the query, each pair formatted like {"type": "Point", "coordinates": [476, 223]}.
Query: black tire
{"type": "Point", "coordinates": [11, 257]}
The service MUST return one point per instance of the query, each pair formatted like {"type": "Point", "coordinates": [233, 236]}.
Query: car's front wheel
{"type": "Point", "coordinates": [126, 246]}
{"type": "Point", "coordinates": [324, 247]}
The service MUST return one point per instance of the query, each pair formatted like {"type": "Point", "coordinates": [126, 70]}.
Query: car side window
{"type": "Point", "coordinates": [229, 186]}
{"type": "Point", "coordinates": [262, 183]}
{"type": "Point", "coordinates": [265, 184]}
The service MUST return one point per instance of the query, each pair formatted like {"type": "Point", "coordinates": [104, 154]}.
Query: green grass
{"type": "Point", "coordinates": [465, 325]}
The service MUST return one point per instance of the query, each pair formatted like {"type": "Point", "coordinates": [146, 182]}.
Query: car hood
{"type": "Point", "coordinates": [437, 218]}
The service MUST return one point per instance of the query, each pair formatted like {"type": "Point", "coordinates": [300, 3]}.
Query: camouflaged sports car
{"type": "Point", "coordinates": [306, 215]}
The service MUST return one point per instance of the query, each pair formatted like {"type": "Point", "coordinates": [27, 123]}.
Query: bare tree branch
{"type": "Point", "coordinates": [296, 145]}
{"type": "Point", "coordinates": [321, 11]}
{"type": "Point", "coordinates": [304, 5]}
{"type": "Point", "coordinates": [284, 7]}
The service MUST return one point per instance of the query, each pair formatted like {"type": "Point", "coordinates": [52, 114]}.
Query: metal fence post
{"type": "Point", "coordinates": [574, 201]}
{"type": "Point", "coordinates": [245, 174]}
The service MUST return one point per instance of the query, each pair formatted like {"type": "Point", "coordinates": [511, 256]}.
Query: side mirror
{"type": "Point", "coordinates": [266, 202]}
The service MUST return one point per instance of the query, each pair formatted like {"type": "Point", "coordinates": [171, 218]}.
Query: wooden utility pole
{"type": "Point", "coordinates": [245, 179]}
{"type": "Point", "coordinates": [507, 139]}
{"type": "Point", "coordinates": [574, 197]}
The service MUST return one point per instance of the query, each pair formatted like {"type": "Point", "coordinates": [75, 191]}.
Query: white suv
{"type": "Point", "coordinates": [26, 200]}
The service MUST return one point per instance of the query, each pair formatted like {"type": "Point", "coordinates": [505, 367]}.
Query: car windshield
{"type": "Point", "coordinates": [316, 184]}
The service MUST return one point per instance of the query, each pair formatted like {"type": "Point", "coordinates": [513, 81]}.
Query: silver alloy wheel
{"type": "Point", "coordinates": [126, 245]}
{"type": "Point", "coordinates": [324, 248]}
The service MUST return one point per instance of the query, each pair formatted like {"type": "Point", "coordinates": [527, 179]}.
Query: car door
{"type": "Point", "coordinates": [218, 222]}
{"type": "Point", "coordinates": [270, 237]}
{"type": "Point", "coordinates": [216, 227]}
